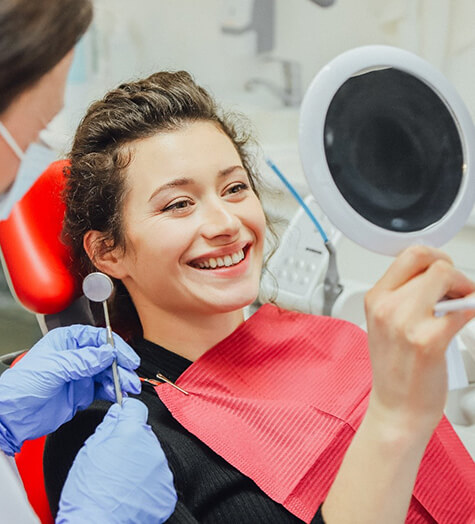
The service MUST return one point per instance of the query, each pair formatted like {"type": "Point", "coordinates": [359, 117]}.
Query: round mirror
{"type": "Point", "coordinates": [387, 147]}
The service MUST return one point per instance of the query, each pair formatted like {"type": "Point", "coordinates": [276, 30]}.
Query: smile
{"type": "Point", "coordinates": [224, 261]}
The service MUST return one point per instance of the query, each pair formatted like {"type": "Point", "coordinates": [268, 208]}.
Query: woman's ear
{"type": "Point", "coordinates": [107, 260]}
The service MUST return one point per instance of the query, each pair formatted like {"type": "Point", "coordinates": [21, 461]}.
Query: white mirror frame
{"type": "Point", "coordinates": [313, 113]}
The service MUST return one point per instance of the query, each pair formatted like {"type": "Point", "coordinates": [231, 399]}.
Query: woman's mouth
{"type": "Point", "coordinates": [231, 259]}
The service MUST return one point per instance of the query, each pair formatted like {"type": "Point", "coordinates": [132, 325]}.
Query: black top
{"type": "Point", "coordinates": [209, 489]}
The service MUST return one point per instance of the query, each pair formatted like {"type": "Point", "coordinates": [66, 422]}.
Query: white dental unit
{"type": "Point", "coordinates": [387, 148]}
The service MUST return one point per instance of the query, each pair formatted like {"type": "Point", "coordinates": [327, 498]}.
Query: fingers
{"type": "Point", "coordinates": [106, 427]}
{"type": "Point", "coordinates": [129, 383]}
{"type": "Point", "coordinates": [447, 281]}
{"type": "Point", "coordinates": [409, 307]}
{"type": "Point", "coordinates": [88, 342]}
{"type": "Point", "coordinates": [440, 280]}
{"type": "Point", "coordinates": [76, 336]}
{"type": "Point", "coordinates": [113, 412]}
{"type": "Point", "coordinates": [81, 336]}
{"type": "Point", "coordinates": [123, 422]}
{"type": "Point", "coordinates": [452, 323]}
{"type": "Point", "coordinates": [126, 356]}
{"type": "Point", "coordinates": [133, 410]}
{"type": "Point", "coordinates": [410, 263]}
{"type": "Point", "coordinates": [420, 277]}
{"type": "Point", "coordinates": [86, 362]}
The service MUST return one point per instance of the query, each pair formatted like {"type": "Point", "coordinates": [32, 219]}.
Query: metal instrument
{"type": "Point", "coordinates": [98, 287]}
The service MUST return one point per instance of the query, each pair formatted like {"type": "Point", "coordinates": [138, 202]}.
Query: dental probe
{"type": "Point", "coordinates": [98, 287]}
{"type": "Point", "coordinates": [458, 304]}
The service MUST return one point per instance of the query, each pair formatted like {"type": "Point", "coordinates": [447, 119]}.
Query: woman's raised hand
{"type": "Point", "coordinates": [407, 345]}
{"type": "Point", "coordinates": [408, 342]}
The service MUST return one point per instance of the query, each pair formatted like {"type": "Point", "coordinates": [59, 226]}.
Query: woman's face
{"type": "Point", "coordinates": [194, 228]}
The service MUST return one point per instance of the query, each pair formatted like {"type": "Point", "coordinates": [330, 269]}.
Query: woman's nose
{"type": "Point", "coordinates": [219, 220]}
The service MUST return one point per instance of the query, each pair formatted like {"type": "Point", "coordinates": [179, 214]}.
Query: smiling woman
{"type": "Point", "coordinates": [202, 205]}
{"type": "Point", "coordinates": [202, 208]}
{"type": "Point", "coordinates": [282, 419]}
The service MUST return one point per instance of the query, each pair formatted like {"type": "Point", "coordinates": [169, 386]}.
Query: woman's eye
{"type": "Point", "coordinates": [178, 205]}
{"type": "Point", "coordinates": [237, 188]}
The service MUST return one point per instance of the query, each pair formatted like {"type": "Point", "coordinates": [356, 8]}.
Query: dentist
{"type": "Point", "coordinates": [69, 368]}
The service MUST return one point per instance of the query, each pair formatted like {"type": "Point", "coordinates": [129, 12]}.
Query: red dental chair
{"type": "Point", "coordinates": [37, 263]}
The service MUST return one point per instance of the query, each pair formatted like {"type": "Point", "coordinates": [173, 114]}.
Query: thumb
{"type": "Point", "coordinates": [113, 413]}
{"type": "Point", "coordinates": [105, 429]}
{"type": "Point", "coordinates": [126, 356]}
{"type": "Point", "coordinates": [133, 410]}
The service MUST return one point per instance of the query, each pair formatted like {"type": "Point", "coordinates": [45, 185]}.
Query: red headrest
{"type": "Point", "coordinates": [35, 259]}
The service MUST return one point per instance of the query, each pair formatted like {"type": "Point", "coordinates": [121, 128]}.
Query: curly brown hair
{"type": "Point", "coordinates": [96, 178]}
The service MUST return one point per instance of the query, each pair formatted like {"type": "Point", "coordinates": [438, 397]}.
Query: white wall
{"type": "Point", "coordinates": [141, 36]}
{"type": "Point", "coordinates": [441, 31]}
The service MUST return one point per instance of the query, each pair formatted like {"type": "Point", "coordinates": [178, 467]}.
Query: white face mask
{"type": "Point", "coordinates": [33, 163]}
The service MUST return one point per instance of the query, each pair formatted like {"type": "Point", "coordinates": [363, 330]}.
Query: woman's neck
{"type": "Point", "coordinates": [189, 335]}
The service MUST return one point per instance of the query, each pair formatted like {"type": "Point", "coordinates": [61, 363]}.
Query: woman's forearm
{"type": "Point", "coordinates": [377, 475]}
{"type": "Point", "coordinates": [407, 345]}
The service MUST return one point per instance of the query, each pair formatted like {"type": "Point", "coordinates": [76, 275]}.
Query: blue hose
{"type": "Point", "coordinates": [297, 197]}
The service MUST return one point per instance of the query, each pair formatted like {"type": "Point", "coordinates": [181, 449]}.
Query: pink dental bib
{"type": "Point", "coordinates": [280, 400]}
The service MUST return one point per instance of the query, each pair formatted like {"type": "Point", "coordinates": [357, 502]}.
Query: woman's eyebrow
{"type": "Point", "coordinates": [177, 182]}
{"type": "Point", "coordinates": [229, 170]}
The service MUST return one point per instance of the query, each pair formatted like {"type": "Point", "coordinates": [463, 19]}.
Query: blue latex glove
{"type": "Point", "coordinates": [120, 474]}
{"type": "Point", "coordinates": [63, 372]}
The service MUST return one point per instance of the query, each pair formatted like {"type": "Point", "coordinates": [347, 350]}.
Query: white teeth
{"type": "Point", "coordinates": [227, 260]}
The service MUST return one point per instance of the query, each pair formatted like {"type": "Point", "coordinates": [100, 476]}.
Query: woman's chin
{"type": "Point", "coordinates": [230, 303]}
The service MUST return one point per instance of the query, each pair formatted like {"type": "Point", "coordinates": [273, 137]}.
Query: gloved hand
{"type": "Point", "coordinates": [120, 474]}
{"type": "Point", "coordinates": [63, 372]}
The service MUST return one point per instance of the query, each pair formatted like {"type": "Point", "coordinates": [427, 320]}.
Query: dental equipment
{"type": "Point", "coordinates": [150, 381]}
{"type": "Point", "coordinates": [162, 379]}
{"type": "Point", "coordinates": [332, 286]}
{"type": "Point", "coordinates": [297, 197]}
{"type": "Point", "coordinates": [378, 168]}
{"type": "Point", "coordinates": [459, 304]}
{"type": "Point", "coordinates": [290, 94]}
{"type": "Point", "coordinates": [98, 287]}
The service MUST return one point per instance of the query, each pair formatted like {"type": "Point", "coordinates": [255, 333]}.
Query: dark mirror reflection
{"type": "Point", "coordinates": [393, 149]}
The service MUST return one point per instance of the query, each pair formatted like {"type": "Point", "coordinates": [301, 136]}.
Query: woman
{"type": "Point", "coordinates": [162, 196]}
